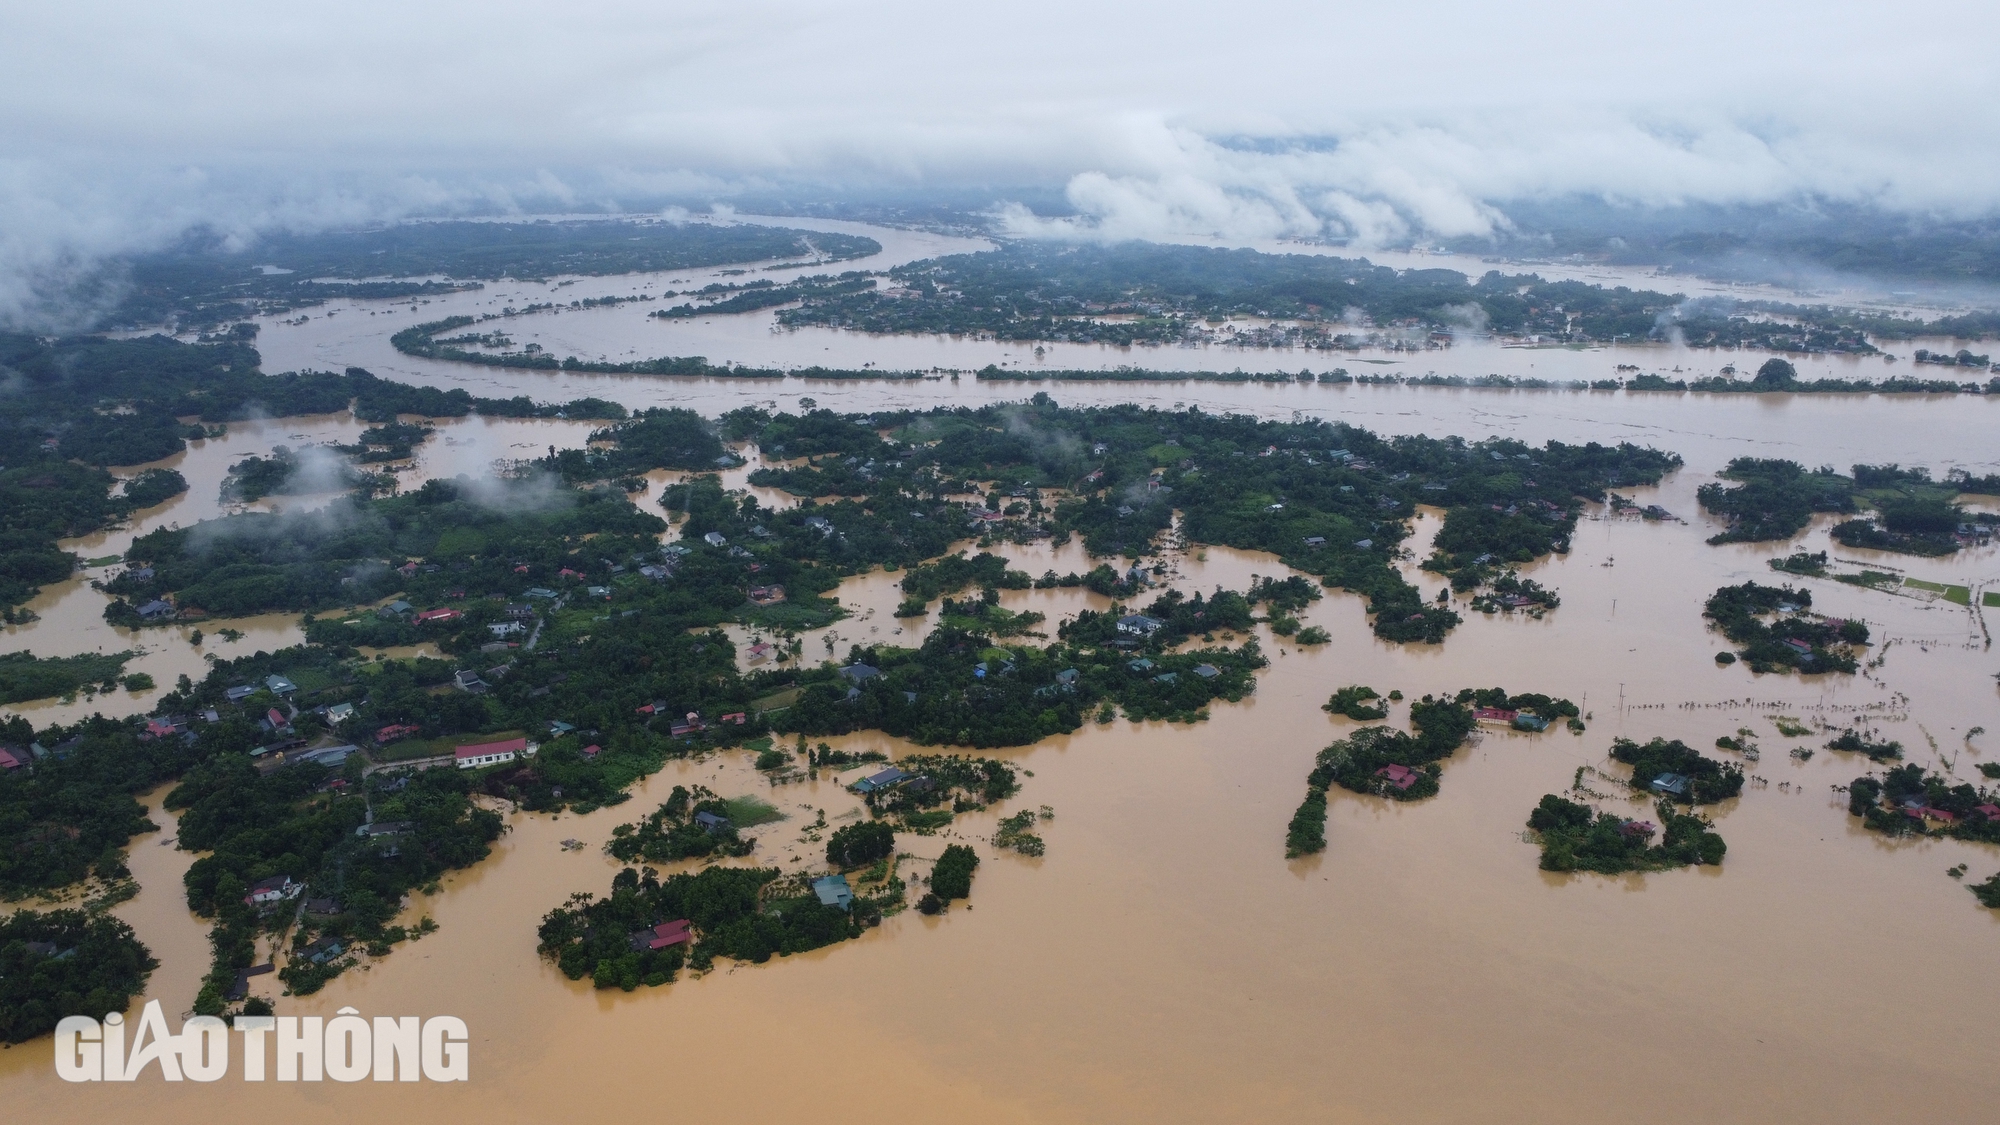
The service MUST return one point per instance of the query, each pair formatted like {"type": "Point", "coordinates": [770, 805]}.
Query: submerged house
{"type": "Point", "coordinates": [1670, 784]}
{"type": "Point", "coordinates": [678, 932]}
{"type": "Point", "coordinates": [881, 780]}
{"type": "Point", "coordinates": [834, 891]}
{"type": "Point", "coordinates": [1402, 777]}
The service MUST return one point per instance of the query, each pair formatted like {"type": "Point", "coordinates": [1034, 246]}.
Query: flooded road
{"type": "Point", "coordinates": [1163, 962]}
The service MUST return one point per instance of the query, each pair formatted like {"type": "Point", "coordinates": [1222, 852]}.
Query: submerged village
{"type": "Point", "coordinates": [538, 640]}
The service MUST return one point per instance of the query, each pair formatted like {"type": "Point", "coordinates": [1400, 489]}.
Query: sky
{"type": "Point", "coordinates": [122, 124]}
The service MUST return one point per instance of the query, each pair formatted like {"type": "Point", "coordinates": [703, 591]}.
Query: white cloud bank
{"type": "Point", "coordinates": [123, 123]}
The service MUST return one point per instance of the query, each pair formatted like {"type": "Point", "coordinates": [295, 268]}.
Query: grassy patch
{"type": "Point", "coordinates": [1957, 595]}
{"type": "Point", "coordinates": [749, 812]}
{"type": "Point", "coordinates": [776, 701]}
{"type": "Point", "coordinates": [1990, 598]}
{"type": "Point", "coordinates": [797, 616]}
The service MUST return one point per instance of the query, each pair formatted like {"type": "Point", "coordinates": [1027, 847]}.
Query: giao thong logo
{"type": "Point", "coordinates": [346, 1048]}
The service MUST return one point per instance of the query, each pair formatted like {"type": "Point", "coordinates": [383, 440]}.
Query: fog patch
{"type": "Point", "coordinates": [535, 491]}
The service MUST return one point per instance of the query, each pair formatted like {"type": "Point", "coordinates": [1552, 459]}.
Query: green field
{"type": "Point", "coordinates": [1991, 597]}
{"type": "Point", "coordinates": [748, 812]}
{"type": "Point", "coordinates": [1957, 595]}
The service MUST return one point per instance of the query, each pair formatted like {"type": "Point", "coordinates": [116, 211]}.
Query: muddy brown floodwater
{"type": "Point", "coordinates": [1164, 963]}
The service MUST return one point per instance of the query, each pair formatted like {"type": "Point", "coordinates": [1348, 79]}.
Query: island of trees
{"type": "Point", "coordinates": [64, 963]}
{"type": "Point", "coordinates": [1776, 629]}
{"type": "Point", "coordinates": [1575, 838]}
{"type": "Point", "coordinates": [1775, 499]}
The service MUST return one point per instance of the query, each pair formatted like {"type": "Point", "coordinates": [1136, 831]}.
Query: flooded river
{"type": "Point", "coordinates": [1163, 962]}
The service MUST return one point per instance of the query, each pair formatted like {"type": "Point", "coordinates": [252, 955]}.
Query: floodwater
{"type": "Point", "coordinates": [1163, 962]}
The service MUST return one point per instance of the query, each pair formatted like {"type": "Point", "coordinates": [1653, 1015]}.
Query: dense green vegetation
{"type": "Point", "coordinates": [1357, 702]}
{"type": "Point", "coordinates": [1793, 638]}
{"type": "Point", "coordinates": [40, 503]}
{"type": "Point", "coordinates": [858, 845]}
{"type": "Point", "coordinates": [1331, 500]}
{"type": "Point", "coordinates": [672, 833]}
{"type": "Point", "coordinates": [1141, 293]}
{"type": "Point", "coordinates": [952, 876]}
{"type": "Point", "coordinates": [747, 913]}
{"type": "Point", "coordinates": [25, 676]}
{"type": "Point", "coordinates": [206, 282]}
{"type": "Point", "coordinates": [1704, 780]}
{"type": "Point", "coordinates": [70, 814]}
{"type": "Point", "coordinates": [1855, 742]}
{"type": "Point", "coordinates": [292, 822]}
{"type": "Point", "coordinates": [475, 534]}
{"type": "Point", "coordinates": [1572, 839]}
{"type": "Point", "coordinates": [1909, 800]}
{"type": "Point", "coordinates": [1382, 761]}
{"type": "Point", "coordinates": [66, 963]}
{"type": "Point", "coordinates": [119, 402]}
{"type": "Point", "coordinates": [154, 486]}
{"type": "Point", "coordinates": [1773, 499]}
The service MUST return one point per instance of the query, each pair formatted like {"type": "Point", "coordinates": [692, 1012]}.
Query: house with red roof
{"type": "Point", "coordinates": [484, 754]}
{"type": "Point", "coordinates": [662, 936]}
{"type": "Point", "coordinates": [1495, 715]}
{"type": "Point", "coordinates": [1402, 777]}
{"type": "Point", "coordinates": [394, 731]}
{"type": "Point", "coordinates": [439, 615]}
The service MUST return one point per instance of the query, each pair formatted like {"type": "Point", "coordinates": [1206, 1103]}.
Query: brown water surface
{"type": "Point", "coordinates": [1163, 962]}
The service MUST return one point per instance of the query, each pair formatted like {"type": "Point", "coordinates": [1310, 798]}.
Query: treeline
{"type": "Point", "coordinates": [1142, 293]}
{"type": "Point", "coordinates": [421, 341]}
{"type": "Point", "coordinates": [205, 282]}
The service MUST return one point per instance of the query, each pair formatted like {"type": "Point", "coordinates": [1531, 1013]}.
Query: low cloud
{"type": "Point", "coordinates": [129, 124]}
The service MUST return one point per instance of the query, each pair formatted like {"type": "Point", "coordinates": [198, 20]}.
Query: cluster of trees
{"type": "Point", "coordinates": [1573, 838]}
{"type": "Point", "coordinates": [1708, 780]}
{"type": "Point", "coordinates": [1855, 742]}
{"type": "Point", "coordinates": [1775, 499]}
{"type": "Point", "coordinates": [292, 821]}
{"type": "Point", "coordinates": [963, 689]}
{"type": "Point", "coordinates": [1362, 763]}
{"type": "Point", "coordinates": [25, 676]}
{"type": "Point", "coordinates": [1357, 702]}
{"type": "Point", "coordinates": [1906, 800]}
{"type": "Point", "coordinates": [951, 877]}
{"type": "Point", "coordinates": [71, 815]}
{"type": "Point", "coordinates": [104, 401]}
{"type": "Point", "coordinates": [746, 913]}
{"type": "Point", "coordinates": [672, 833]}
{"type": "Point", "coordinates": [477, 536]}
{"type": "Point", "coordinates": [1331, 500]}
{"type": "Point", "coordinates": [66, 963]}
{"type": "Point", "coordinates": [1739, 611]}
{"type": "Point", "coordinates": [951, 784]}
